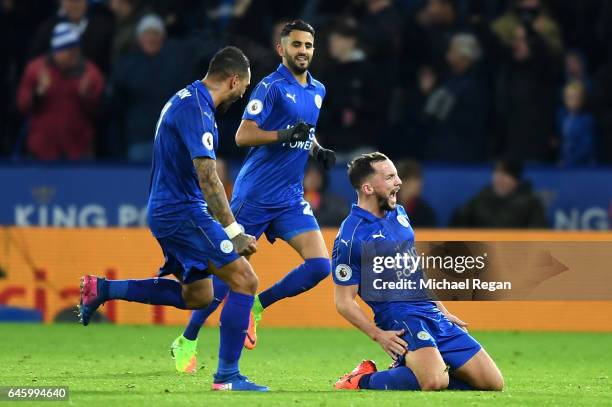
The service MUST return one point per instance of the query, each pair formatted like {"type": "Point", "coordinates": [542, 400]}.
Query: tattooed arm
{"type": "Point", "coordinates": [213, 191]}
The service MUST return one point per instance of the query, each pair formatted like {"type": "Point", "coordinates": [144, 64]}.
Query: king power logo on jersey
{"type": "Point", "coordinates": [303, 145]}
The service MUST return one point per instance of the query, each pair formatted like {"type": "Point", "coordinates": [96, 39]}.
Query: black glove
{"type": "Point", "coordinates": [299, 132]}
{"type": "Point", "coordinates": [325, 157]}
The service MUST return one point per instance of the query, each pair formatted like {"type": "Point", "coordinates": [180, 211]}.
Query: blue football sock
{"type": "Point", "coordinates": [458, 384]}
{"type": "Point", "coordinates": [399, 378]}
{"type": "Point", "coordinates": [198, 317]}
{"type": "Point", "coordinates": [156, 291]}
{"type": "Point", "coordinates": [300, 279]}
{"type": "Point", "coordinates": [234, 324]}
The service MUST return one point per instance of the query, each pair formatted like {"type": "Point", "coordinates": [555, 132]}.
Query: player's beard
{"type": "Point", "coordinates": [295, 67]}
{"type": "Point", "coordinates": [384, 204]}
{"type": "Point", "coordinates": [225, 105]}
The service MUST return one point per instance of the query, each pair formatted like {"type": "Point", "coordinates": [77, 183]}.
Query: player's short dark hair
{"type": "Point", "coordinates": [360, 167]}
{"type": "Point", "coordinates": [409, 169]}
{"type": "Point", "coordinates": [297, 25]}
{"type": "Point", "coordinates": [228, 61]}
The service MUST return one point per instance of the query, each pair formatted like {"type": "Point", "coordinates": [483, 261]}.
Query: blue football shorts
{"type": "Point", "coordinates": [189, 249]}
{"type": "Point", "coordinates": [276, 222]}
{"type": "Point", "coordinates": [455, 345]}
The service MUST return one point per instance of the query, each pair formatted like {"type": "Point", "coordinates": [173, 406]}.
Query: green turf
{"type": "Point", "coordinates": [109, 365]}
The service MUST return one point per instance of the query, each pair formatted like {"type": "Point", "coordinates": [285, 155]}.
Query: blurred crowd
{"type": "Point", "coordinates": [461, 81]}
{"type": "Point", "coordinates": [508, 201]}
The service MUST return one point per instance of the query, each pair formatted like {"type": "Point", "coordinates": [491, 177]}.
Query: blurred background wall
{"type": "Point", "coordinates": [42, 268]}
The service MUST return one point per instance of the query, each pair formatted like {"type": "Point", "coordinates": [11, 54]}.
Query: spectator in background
{"type": "Point", "coordinates": [143, 81]}
{"type": "Point", "coordinates": [419, 211]}
{"type": "Point", "coordinates": [126, 18]}
{"type": "Point", "coordinates": [457, 109]}
{"type": "Point", "coordinates": [602, 103]}
{"type": "Point", "coordinates": [95, 27]}
{"type": "Point", "coordinates": [380, 31]}
{"type": "Point", "coordinates": [428, 40]}
{"type": "Point", "coordinates": [507, 203]}
{"type": "Point", "coordinates": [576, 70]}
{"type": "Point", "coordinates": [18, 20]}
{"type": "Point", "coordinates": [181, 17]}
{"type": "Point", "coordinates": [423, 66]}
{"type": "Point", "coordinates": [576, 127]}
{"type": "Point", "coordinates": [381, 28]}
{"type": "Point", "coordinates": [380, 34]}
{"type": "Point", "coordinates": [329, 209]}
{"type": "Point", "coordinates": [59, 94]}
{"type": "Point", "coordinates": [530, 14]}
{"type": "Point", "coordinates": [526, 97]}
{"type": "Point", "coordinates": [348, 118]}
{"type": "Point", "coordinates": [415, 124]}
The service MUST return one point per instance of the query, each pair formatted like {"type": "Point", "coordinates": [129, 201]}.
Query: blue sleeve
{"type": "Point", "coordinates": [346, 258]}
{"type": "Point", "coordinates": [197, 131]}
{"type": "Point", "coordinates": [261, 103]}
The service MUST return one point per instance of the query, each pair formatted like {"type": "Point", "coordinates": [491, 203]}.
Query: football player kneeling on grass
{"type": "Point", "coordinates": [430, 347]}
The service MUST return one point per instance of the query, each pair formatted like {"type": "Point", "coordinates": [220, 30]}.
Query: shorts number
{"type": "Point", "coordinates": [307, 208]}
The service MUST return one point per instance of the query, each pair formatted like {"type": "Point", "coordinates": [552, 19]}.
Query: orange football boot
{"type": "Point", "coordinates": [250, 340]}
{"type": "Point", "coordinates": [350, 381]}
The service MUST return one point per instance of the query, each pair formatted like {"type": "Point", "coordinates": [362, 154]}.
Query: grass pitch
{"type": "Point", "coordinates": [106, 365]}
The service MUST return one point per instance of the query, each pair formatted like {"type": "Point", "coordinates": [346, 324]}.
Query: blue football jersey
{"type": "Point", "coordinates": [186, 129]}
{"type": "Point", "coordinates": [363, 228]}
{"type": "Point", "coordinates": [272, 174]}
